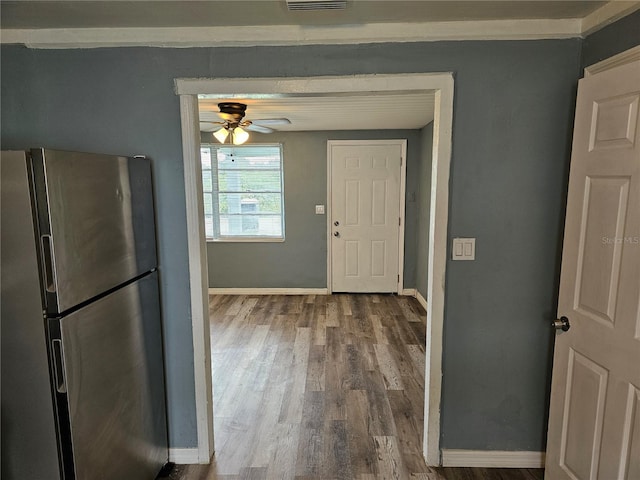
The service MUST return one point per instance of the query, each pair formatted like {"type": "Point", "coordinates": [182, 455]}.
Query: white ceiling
{"type": "Point", "coordinates": [186, 23]}
{"type": "Point", "coordinates": [105, 14]}
{"type": "Point", "coordinates": [367, 111]}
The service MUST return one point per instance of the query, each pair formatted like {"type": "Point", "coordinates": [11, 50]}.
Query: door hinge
{"type": "Point", "coordinates": [398, 278]}
{"type": "Point", "coordinates": [399, 221]}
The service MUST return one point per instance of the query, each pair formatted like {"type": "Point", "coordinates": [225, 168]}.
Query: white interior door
{"type": "Point", "coordinates": [594, 418]}
{"type": "Point", "coordinates": [365, 216]}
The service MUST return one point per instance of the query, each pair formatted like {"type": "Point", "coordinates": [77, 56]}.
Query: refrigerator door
{"type": "Point", "coordinates": [96, 223]}
{"type": "Point", "coordinates": [113, 378]}
{"type": "Point", "coordinates": [29, 444]}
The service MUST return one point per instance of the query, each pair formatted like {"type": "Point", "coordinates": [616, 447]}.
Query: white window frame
{"type": "Point", "coordinates": [214, 179]}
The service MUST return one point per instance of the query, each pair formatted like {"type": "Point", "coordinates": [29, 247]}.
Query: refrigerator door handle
{"type": "Point", "coordinates": [58, 366]}
{"type": "Point", "coordinates": [46, 244]}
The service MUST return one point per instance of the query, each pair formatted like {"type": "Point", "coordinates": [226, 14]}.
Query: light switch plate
{"type": "Point", "coordinates": [463, 249]}
{"type": "Point", "coordinates": [319, 209]}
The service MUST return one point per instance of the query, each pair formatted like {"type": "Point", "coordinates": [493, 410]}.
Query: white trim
{"type": "Point", "coordinates": [605, 15]}
{"type": "Point", "coordinates": [413, 292]}
{"type": "Point", "coordinates": [421, 300]}
{"type": "Point", "coordinates": [403, 211]}
{"type": "Point", "coordinates": [443, 84]}
{"type": "Point", "coordinates": [198, 276]}
{"type": "Point", "coordinates": [267, 291]}
{"type": "Point", "coordinates": [628, 56]}
{"type": "Point", "coordinates": [292, 86]}
{"type": "Point", "coordinates": [246, 240]}
{"type": "Point", "coordinates": [184, 456]}
{"type": "Point", "coordinates": [402, 143]}
{"type": "Point", "coordinates": [436, 273]}
{"type": "Point", "coordinates": [329, 216]}
{"type": "Point", "coordinates": [492, 459]}
{"type": "Point", "coordinates": [273, 35]}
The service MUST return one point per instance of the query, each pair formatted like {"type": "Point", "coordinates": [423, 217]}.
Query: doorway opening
{"type": "Point", "coordinates": [443, 86]}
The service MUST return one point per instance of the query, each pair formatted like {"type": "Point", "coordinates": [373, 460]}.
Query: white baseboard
{"type": "Point", "coordinates": [184, 456]}
{"type": "Point", "coordinates": [492, 459]}
{"type": "Point", "coordinates": [413, 292]}
{"type": "Point", "coordinates": [422, 300]}
{"type": "Point", "coordinates": [268, 291]}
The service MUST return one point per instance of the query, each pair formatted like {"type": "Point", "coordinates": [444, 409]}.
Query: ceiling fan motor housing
{"type": "Point", "coordinates": [234, 109]}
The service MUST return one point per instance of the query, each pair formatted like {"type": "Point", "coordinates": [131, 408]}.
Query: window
{"type": "Point", "coordinates": [243, 197]}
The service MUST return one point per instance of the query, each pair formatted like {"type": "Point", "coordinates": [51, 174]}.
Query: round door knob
{"type": "Point", "coordinates": [336, 223]}
{"type": "Point", "coordinates": [562, 324]}
{"type": "Point", "coordinates": [336, 234]}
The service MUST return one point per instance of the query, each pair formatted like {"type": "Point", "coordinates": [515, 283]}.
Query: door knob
{"type": "Point", "coordinates": [336, 223]}
{"type": "Point", "coordinates": [562, 324]}
{"type": "Point", "coordinates": [336, 234]}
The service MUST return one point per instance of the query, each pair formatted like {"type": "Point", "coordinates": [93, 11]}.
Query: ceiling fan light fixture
{"type": "Point", "coordinates": [239, 136]}
{"type": "Point", "coordinates": [221, 135]}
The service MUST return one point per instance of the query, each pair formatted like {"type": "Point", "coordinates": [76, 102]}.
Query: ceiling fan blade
{"type": "Point", "coordinates": [272, 121]}
{"type": "Point", "coordinates": [258, 128]}
{"type": "Point", "coordinates": [210, 126]}
{"type": "Point", "coordinates": [207, 127]}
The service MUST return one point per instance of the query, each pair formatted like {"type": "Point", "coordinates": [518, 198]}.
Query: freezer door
{"type": "Point", "coordinates": [29, 446]}
{"type": "Point", "coordinates": [96, 223]}
{"type": "Point", "coordinates": [113, 365]}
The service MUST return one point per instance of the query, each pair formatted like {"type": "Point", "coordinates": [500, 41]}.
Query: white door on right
{"type": "Point", "coordinates": [594, 418]}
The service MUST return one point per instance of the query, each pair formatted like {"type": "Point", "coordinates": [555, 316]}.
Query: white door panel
{"type": "Point", "coordinates": [594, 418]}
{"type": "Point", "coordinates": [365, 203]}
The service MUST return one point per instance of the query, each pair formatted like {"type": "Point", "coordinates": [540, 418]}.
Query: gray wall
{"type": "Point", "coordinates": [615, 38]}
{"type": "Point", "coordinates": [423, 210]}
{"type": "Point", "coordinates": [511, 137]}
{"type": "Point", "coordinates": [301, 260]}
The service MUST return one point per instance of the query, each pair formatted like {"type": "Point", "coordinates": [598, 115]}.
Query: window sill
{"type": "Point", "coordinates": [246, 240]}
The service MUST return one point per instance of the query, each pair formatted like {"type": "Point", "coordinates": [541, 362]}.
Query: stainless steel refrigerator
{"type": "Point", "coordinates": [82, 363]}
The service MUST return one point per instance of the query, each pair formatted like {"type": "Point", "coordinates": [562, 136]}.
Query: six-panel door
{"type": "Point", "coordinates": [365, 206]}
{"type": "Point", "coordinates": [594, 419]}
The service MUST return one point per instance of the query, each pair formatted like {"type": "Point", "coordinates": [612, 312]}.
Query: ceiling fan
{"type": "Point", "coordinates": [235, 127]}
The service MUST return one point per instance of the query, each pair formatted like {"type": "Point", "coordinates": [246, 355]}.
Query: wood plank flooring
{"type": "Point", "coordinates": [321, 387]}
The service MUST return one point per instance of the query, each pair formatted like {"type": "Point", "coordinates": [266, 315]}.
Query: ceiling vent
{"type": "Point", "coordinates": [298, 5]}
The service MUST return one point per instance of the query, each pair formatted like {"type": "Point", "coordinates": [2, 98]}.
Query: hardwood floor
{"type": "Point", "coordinates": [321, 387]}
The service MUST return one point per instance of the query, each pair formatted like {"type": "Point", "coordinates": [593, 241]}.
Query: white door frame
{"type": "Point", "coordinates": [403, 201]}
{"type": "Point", "coordinates": [622, 58]}
{"type": "Point", "coordinates": [443, 85]}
